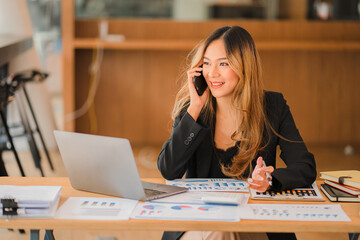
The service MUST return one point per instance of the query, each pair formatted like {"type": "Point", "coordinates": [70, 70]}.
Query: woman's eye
{"type": "Point", "coordinates": [224, 64]}
{"type": "Point", "coordinates": [206, 63]}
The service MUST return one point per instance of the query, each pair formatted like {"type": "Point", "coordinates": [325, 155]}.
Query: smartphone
{"type": "Point", "coordinates": [200, 84]}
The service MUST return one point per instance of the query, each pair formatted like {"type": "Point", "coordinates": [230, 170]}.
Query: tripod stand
{"type": "Point", "coordinates": [16, 84]}
{"type": "Point", "coordinates": [21, 100]}
{"type": "Point", "coordinates": [6, 95]}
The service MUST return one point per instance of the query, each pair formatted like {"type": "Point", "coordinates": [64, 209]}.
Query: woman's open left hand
{"type": "Point", "coordinates": [258, 180]}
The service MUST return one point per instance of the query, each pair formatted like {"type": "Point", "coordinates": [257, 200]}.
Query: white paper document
{"type": "Point", "coordinates": [294, 212]}
{"type": "Point", "coordinates": [96, 208]}
{"type": "Point", "coordinates": [210, 184]}
{"type": "Point", "coordinates": [32, 201]}
{"type": "Point", "coordinates": [193, 212]}
{"type": "Point", "coordinates": [192, 197]}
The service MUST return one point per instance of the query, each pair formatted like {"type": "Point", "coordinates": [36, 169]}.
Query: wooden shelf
{"type": "Point", "coordinates": [160, 44]}
{"type": "Point", "coordinates": [309, 45]}
{"type": "Point", "coordinates": [87, 43]}
{"type": "Point", "coordinates": [236, 4]}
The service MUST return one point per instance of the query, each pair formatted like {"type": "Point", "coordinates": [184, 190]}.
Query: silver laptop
{"type": "Point", "coordinates": [106, 165]}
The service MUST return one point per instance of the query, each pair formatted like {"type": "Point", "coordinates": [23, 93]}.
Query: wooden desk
{"type": "Point", "coordinates": [351, 209]}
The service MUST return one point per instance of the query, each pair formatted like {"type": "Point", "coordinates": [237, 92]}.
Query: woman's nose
{"type": "Point", "coordinates": [213, 71]}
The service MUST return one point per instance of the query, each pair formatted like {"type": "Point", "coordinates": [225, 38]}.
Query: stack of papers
{"type": "Point", "coordinates": [192, 205]}
{"type": "Point", "coordinates": [32, 201]}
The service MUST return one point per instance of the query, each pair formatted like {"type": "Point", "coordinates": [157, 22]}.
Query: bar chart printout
{"type": "Point", "coordinates": [96, 208]}
{"type": "Point", "coordinates": [211, 184]}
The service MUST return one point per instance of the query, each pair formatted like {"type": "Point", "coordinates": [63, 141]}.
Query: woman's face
{"type": "Point", "coordinates": [219, 76]}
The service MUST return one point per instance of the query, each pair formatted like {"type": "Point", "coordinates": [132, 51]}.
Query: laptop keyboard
{"type": "Point", "coordinates": [152, 192]}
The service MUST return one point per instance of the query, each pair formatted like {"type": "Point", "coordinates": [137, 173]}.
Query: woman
{"type": "Point", "coordinates": [234, 126]}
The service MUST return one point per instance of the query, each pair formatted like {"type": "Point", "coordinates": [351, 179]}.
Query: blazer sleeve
{"type": "Point", "coordinates": [301, 167]}
{"type": "Point", "coordinates": [179, 150]}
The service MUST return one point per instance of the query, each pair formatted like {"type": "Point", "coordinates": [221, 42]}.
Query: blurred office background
{"type": "Point", "coordinates": [115, 67]}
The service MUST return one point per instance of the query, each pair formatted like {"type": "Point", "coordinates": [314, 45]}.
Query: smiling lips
{"type": "Point", "coordinates": [216, 84]}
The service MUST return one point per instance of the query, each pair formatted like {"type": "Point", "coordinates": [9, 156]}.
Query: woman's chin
{"type": "Point", "coordinates": [219, 94]}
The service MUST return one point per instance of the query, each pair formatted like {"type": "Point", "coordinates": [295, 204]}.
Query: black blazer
{"type": "Point", "coordinates": [190, 148]}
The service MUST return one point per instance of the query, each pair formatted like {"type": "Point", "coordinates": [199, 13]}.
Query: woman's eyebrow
{"type": "Point", "coordinates": [222, 58]}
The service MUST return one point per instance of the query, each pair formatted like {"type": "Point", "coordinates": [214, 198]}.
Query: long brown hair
{"type": "Point", "coordinates": [247, 97]}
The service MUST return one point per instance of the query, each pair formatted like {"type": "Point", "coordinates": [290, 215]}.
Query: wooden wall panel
{"type": "Point", "coordinates": [120, 98]}
{"type": "Point", "coordinates": [162, 84]}
{"type": "Point", "coordinates": [321, 89]}
{"type": "Point", "coordinates": [135, 96]}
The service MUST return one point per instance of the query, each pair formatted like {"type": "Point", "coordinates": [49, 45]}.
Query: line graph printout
{"type": "Point", "coordinates": [210, 184]}
{"type": "Point", "coordinates": [168, 211]}
{"type": "Point", "coordinates": [294, 212]}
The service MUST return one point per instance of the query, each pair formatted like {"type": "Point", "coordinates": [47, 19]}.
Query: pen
{"type": "Point", "coordinates": [267, 175]}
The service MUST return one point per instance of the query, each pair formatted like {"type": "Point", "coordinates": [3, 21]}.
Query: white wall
{"type": "Point", "coordinates": [15, 19]}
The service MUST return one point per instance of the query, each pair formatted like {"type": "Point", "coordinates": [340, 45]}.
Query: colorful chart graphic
{"type": "Point", "coordinates": [89, 204]}
{"type": "Point", "coordinates": [153, 207]}
{"type": "Point", "coordinates": [181, 207]}
{"type": "Point", "coordinates": [208, 208]}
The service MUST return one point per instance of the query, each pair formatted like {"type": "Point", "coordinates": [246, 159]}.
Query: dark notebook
{"type": "Point", "coordinates": [336, 195]}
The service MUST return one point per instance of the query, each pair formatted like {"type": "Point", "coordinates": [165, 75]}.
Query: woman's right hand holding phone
{"type": "Point", "coordinates": [196, 102]}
